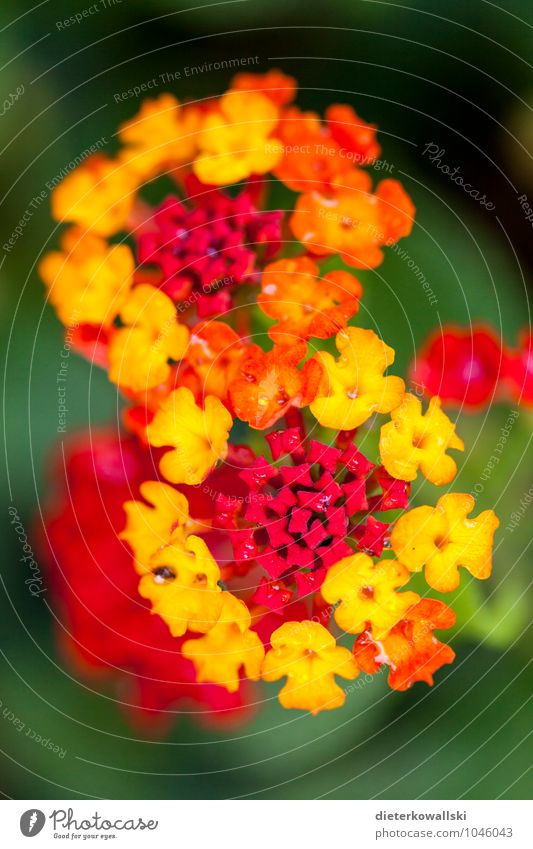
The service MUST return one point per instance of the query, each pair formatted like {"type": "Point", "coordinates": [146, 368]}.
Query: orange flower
{"type": "Point", "coordinates": [305, 303]}
{"type": "Point", "coordinates": [162, 135]}
{"type": "Point", "coordinates": [215, 352]}
{"type": "Point", "coordinates": [411, 650]}
{"type": "Point", "coordinates": [235, 139]}
{"type": "Point", "coordinates": [311, 157]}
{"type": "Point", "coordinates": [356, 138]}
{"type": "Point", "coordinates": [443, 538]}
{"type": "Point", "coordinates": [229, 646]}
{"type": "Point", "coordinates": [87, 279]}
{"type": "Point", "coordinates": [353, 387]}
{"type": "Point", "coordinates": [348, 219]}
{"type": "Point", "coordinates": [271, 383]}
{"type": "Point", "coordinates": [367, 593]}
{"type": "Point", "coordinates": [139, 353]}
{"type": "Point", "coordinates": [412, 441]}
{"type": "Point", "coordinates": [199, 437]}
{"type": "Point", "coordinates": [308, 655]}
{"type": "Point", "coordinates": [277, 86]}
{"type": "Point", "coordinates": [98, 195]}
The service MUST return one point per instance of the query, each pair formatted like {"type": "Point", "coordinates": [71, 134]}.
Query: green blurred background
{"type": "Point", "coordinates": [456, 74]}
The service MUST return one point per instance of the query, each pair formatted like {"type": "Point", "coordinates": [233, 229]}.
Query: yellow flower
{"type": "Point", "coordinates": [87, 279]}
{"type": "Point", "coordinates": [229, 646]}
{"type": "Point", "coordinates": [353, 387]}
{"type": "Point", "coordinates": [235, 139]}
{"type": "Point", "coordinates": [163, 520]}
{"type": "Point", "coordinates": [160, 136]}
{"type": "Point", "coordinates": [443, 538]}
{"type": "Point", "coordinates": [308, 655]}
{"type": "Point", "coordinates": [182, 587]}
{"type": "Point", "coordinates": [199, 438]}
{"type": "Point", "coordinates": [98, 195]}
{"type": "Point", "coordinates": [366, 591]}
{"type": "Point", "coordinates": [139, 353]}
{"type": "Point", "coordinates": [412, 441]}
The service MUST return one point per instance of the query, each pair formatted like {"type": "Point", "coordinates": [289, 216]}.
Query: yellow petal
{"type": "Point", "coordinates": [198, 437]}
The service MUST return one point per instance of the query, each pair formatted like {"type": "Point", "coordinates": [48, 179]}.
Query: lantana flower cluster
{"type": "Point", "coordinates": [238, 511]}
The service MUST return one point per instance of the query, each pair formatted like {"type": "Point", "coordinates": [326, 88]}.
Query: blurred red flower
{"type": "Point", "coordinates": [461, 365]}
{"type": "Point", "coordinates": [103, 626]}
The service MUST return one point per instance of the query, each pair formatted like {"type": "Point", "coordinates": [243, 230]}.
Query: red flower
{"type": "Point", "coordinates": [460, 365]}
{"type": "Point", "coordinates": [105, 627]}
{"type": "Point", "coordinates": [297, 518]}
{"type": "Point", "coordinates": [91, 342]}
{"type": "Point", "coordinates": [518, 369]}
{"type": "Point", "coordinates": [272, 594]}
{"type": "Point", "coordinates": [371, 536]}
{"type": "Point", "coordinates": [206, 246]}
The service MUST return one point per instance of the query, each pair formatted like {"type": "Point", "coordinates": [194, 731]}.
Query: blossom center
{"type": "Point", "coordinates": [204, 248]}
{"type": "Point", "coordinates": [163, 574]}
